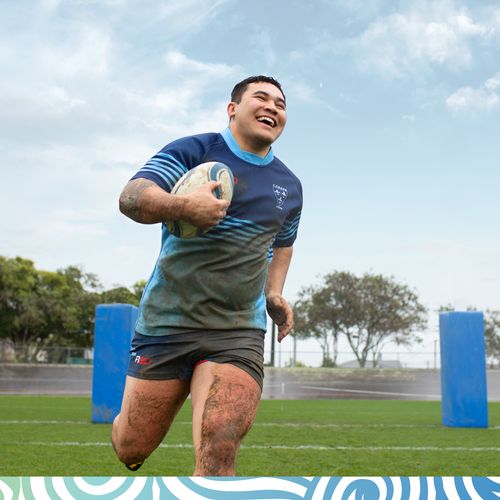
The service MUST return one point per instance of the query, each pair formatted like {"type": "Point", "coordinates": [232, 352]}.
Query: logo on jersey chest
{"type": "Point", "coordinates": [281, 194]}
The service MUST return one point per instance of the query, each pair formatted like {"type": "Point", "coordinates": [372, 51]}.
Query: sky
{"type": "Point", "coordinates": [393, 128]}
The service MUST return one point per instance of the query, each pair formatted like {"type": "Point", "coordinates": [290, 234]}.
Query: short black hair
{"type": "Point", "coordinates": [239, 88]}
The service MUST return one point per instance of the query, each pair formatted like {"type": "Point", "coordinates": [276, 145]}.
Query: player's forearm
{"type": "Point", "coordinates": [278, 269]}
{"type": "Point", "coordinates": [145, 202]}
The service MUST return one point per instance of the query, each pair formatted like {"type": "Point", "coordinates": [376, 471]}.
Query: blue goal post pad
{"type": "Point", "coordinates": [464, 397]}
{"type": "Point", "coordinates": [113, 332]}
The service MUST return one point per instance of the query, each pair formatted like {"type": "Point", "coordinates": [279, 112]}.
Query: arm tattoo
{"type": "Point", "coordinates": [130, 198]}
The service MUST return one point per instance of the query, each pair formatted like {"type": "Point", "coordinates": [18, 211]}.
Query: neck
{"type": "Point", "coordinates": [256, 147]}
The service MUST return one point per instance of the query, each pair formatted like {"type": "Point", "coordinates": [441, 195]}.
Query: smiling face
{"type": "Point", "coordinates": [259, 118]}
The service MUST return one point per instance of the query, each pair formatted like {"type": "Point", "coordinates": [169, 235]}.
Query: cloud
{"type": "Point", "coordinates": [190, 13]}
{"type": "Point", "coordinates": [87, 135]}
{"type": "Point", "coordinates": [49, 5]}
{"type": "Point", "coordinates": [483, 98]}
{"type": "Point", "coordinates": [87, 53]}
{"type": "Point", "coordinates": [80, 92]}
{"type": "Point", "coordinates": [493, 83]}
{"type": "Point", "coordinates": [179, 62]}
{"type": "Point", "coordinates": [359, 9]}
{"type": "Point", "coordinates": [81, 110]}
{"type": "Point", "coordinates": [430, 34]}
{"type": "Point", "coordinates": [262, 45]}
{"type": "Point", "coordinates": [301, 91]}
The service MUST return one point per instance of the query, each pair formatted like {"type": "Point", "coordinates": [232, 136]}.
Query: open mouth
{"type": "Point", "coordinates": [267, 121]}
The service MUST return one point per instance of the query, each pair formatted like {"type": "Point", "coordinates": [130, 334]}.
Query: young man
{"type": "Point", "coordinates": [202, 317]}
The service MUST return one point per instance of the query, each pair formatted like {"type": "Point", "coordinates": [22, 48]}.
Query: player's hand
{"type": "Point", "coordinates": [202, 208]}
{"type": "Point", "coordinates": [281, 313]}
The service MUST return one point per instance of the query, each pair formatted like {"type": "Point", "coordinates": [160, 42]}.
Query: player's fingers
{"type": "Point", "coordinates": [212, 185]}
{"type": "Point", "coordinates": [283, 331]}
{"type": "Point", "coordinates": [286, 313]}
{"type": "Point", "coordinates": [209, 187]}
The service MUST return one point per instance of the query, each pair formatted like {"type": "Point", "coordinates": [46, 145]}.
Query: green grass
{"type": "Point", "coordinates": [317, 438]}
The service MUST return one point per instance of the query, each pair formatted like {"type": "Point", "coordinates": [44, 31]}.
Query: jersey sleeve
{"type": "Point", "coordinates": [167, 166]}
{"type": "Point", "coordinates": [288, 232]}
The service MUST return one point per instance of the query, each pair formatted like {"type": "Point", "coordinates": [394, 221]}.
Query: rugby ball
{"type": "Point", "coordinates": [194, 179]}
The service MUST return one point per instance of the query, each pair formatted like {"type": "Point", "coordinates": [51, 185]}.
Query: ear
{"type": "Point", "coordinates": [231, 110]}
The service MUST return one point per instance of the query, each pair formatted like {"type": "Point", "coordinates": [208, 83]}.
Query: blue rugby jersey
{"type": "Point", "coordinates": [216, 280]}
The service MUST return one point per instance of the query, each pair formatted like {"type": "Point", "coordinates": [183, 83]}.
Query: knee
{"type": "Point", "coordinates": [225, 426]}
{"type": "Point", "coordinates": [127, 450]}
{"type": "Point", "coordinates": [228, 415]}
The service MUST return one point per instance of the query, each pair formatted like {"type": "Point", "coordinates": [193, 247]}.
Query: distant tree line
{"type": "Point", "coordinates": [57, 308]}
{"type": "Point", "coordinates": [369, 311]}
{"type": "Point", "coordinates": [53, 308]}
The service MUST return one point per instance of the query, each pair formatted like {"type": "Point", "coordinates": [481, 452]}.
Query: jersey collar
{"type": "Point", "coordinates": [246, 155]}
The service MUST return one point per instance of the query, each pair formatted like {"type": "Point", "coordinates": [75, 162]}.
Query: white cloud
{"type": "Point", "coordinates": [177, 61]}
{"type": "Point", "coordinates": [49, 5]}
{"type": "Point", "coordinates": [301, 91]}
{"type": "Point", "coordinates": [52, 101]}
{"type": "Point", "coordinates": [86, 53]}
{"type": "Point", "coordinates": [407, 43]}
{"type": "Point", "coordinates": [359, 9]}
{"type": "Point", "coordinates": [482, 98]}
{"type": "Point", "coordinates": [81, 110]}
{"type": "Point", "coordinates": [493, 82]}
{"type": "Point", "coordinates": [263, 47]}
{"type": "Point", "coordinates": [185, 16]}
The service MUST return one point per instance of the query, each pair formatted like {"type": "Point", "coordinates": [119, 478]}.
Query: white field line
{"type": "Point", "coordinates": [44, 422]}
{"type": "Point", "coordinates": [351, 426]}
{"type": "Point", "coordinates": [298, 425]}
{"type": "Point", "coordinates": [44, 392]}
{"type": "Point", "coordinates": [382, 393]}
{"type": "Point", "coordinates": [278, 447]}
{"type": "Point", "coordinates": [36, 379]}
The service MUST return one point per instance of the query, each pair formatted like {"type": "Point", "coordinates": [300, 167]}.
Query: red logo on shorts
{"type": "Point", "coordinates": [142, 360]}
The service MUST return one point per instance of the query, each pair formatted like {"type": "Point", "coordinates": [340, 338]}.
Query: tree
{"type": "Point", "coordinates": [369, 311]}
{"type": "Point", "coordinates": [119, 295]}
{"type": "Point", "coordinates": [138, 288]}
{"type": "Point", "coordinates": [45, 308]}
{"type": "Point", "coordinates": [492, 337]}
{"type": "Point", "coordinates": [311, 320]}
{"type": "Point", "coordinates": [18, 299]}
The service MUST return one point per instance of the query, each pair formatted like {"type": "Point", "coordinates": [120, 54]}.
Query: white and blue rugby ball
{"type": "Point", "coordinates": [194, 179]}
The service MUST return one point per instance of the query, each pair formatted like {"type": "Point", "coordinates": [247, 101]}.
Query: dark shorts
{"type": "Point", "coordinates": [175, 356]}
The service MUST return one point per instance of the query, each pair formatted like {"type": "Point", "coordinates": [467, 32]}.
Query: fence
{"type": "Point", "coordinates": [282, 357]}
{"type": "Point", "coordinates": [347, 359]}
{"type": "Point", "coordinates": [12, 353]}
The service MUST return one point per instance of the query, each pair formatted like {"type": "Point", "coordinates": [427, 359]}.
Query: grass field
{"type": "Point", "coordinates": [53, 436]}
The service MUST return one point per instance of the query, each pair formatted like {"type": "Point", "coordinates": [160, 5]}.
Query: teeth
{"type": "Point", "coordinates": [266, 119]}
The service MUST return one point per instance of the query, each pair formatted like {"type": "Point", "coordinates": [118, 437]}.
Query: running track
{"type": "Point", "coordinates": [280, 383]}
